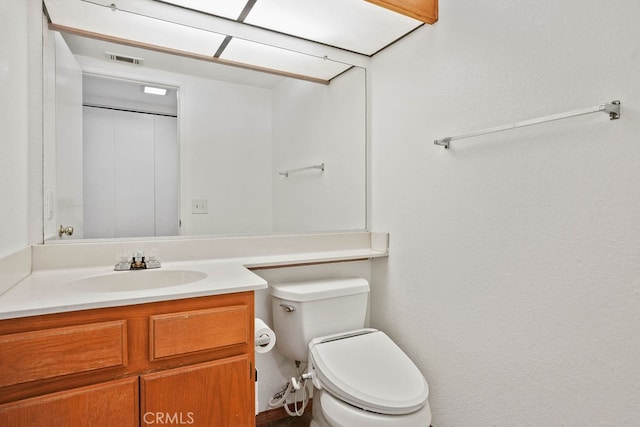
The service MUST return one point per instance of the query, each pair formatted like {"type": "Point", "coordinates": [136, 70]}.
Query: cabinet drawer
{"type": "Point", "coordinates": [191, 331]}
{"type": "Point", "coordinates": [113, 403]}
{"type": "Point", "coordinates": [31, 356]}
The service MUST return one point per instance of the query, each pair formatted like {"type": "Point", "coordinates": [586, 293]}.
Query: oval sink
{"type": "Point", "coordinates": [123, 281]}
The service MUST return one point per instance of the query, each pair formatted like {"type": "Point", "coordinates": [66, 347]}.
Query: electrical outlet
{"type": "Point", "coordinates": [199, 206]}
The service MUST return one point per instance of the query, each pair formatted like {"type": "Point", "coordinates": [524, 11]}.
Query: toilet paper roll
{"type": "Point", "coordinates": [265, 338]}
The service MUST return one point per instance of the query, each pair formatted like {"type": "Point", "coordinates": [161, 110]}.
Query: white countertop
{"type": "Point", "coordinates": [57, 290]}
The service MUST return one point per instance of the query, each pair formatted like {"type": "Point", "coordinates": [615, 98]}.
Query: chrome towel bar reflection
{"type": "Point", "coordinates": [287, 172]}
{"type": "Point", "coordinates": [612, 108]}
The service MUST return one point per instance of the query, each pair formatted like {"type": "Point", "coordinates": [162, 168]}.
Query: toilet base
{"type": "Point", "coordinates": [317, 419]}
{"type": "Point", "coordinates": [329, 411]}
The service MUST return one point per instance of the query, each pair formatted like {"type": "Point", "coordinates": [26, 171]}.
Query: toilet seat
{"type": "Point", "coordinates": [366, 369]}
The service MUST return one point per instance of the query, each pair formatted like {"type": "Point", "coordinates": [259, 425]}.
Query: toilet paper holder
{"type": "Point", "coordinates": [262, 340]}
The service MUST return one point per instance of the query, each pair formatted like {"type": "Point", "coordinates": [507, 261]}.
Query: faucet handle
{"type": "Point", "coordinates": [152, 260]}
{"type": "Point", "coordinates": [123, 260]}
{"type": "Point", "coordinates": [138, 255]}
{"type": "Point", "coordinates": [152, 255]}
{"type": "Point", "coordinates": [123, 256]}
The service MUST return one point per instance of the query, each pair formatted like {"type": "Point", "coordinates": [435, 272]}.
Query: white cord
{"type": "Point", "coordinates": [298, 411]}
{"type": "Point", "coordinates": [280, 396]}
{"type": "Point", "coordinates": [292, 387]}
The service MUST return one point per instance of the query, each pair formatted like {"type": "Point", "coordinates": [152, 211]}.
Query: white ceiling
{"type": "Point", "coordinates": [126, 94]}
{"type": "Point", "coordinates": [198, 29]}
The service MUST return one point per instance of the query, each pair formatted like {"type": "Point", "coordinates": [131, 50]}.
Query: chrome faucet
{"type": "Point", "coordinates": [136, 262]}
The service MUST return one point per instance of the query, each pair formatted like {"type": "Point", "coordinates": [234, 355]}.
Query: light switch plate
{"type": "Point", "coordinates": [199, 206]}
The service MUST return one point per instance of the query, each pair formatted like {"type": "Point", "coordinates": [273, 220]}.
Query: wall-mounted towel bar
{"type": "Point", "coordinates": [612, 108]}
{"type": "Point", "coordinates": [287, 172]}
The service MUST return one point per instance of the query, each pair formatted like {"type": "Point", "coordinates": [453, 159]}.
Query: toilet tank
{"type": "Point", "coordinates": [306, 310]}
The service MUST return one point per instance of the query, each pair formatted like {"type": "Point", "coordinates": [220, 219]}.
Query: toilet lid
{"type": "Point", "coordinates": [369, 371]}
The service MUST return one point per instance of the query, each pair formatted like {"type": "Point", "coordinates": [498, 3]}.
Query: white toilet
{"type": "Point", "coordinates": [361, 377]}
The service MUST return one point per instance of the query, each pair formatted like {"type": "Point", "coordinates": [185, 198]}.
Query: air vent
{"type": "Point", "coordinates": [123, 58]}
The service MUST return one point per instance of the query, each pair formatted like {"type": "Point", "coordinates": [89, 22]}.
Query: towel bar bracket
{"type": "Point", "coordinates": [444, 142]}
{"type": "Point", "coordinates": [613, 109]}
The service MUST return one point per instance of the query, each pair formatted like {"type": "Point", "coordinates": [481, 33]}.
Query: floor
{"type": "Point", "coordinates": [302, 421]}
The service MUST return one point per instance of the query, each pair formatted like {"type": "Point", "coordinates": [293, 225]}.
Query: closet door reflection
{"type": "Point", "coordinates": [130, 174]}
{"type": "Point", "coordinates": [167, 159]}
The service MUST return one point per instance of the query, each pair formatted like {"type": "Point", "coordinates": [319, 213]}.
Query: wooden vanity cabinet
{"type": "Point", "coordinates": [179, 362]}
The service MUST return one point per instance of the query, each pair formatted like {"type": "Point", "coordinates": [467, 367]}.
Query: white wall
{"type": "Point", "coordinates": [514, 274]}
{"type": "Point", "coordinates": [314, 124]}
{"type": "Point", "coordinates": [20, 124]}
{"type": "Point", "coordinates": [14, 136]}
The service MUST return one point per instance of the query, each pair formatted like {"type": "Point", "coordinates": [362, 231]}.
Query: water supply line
{"type": "Point", "coordinates": [292, 388]}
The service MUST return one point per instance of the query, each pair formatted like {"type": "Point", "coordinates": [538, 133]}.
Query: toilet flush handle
{"type": "Point", "coordinates": [288, 308]}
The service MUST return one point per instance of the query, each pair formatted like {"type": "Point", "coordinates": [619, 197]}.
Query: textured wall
{"type": "Point", "coordinates": [20, 125]}
{"type": "Point", "coordinates": [13, 120]}
{"type": "Point", "coordinates": [514, 274]}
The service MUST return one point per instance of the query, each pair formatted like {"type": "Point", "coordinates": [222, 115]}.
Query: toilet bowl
{"type": "Point", "coordinates": [330, 411]}
{"type": "Point", "coordinates": [360, 376]}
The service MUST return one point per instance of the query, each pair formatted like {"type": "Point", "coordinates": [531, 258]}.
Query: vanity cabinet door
{"type": "Point", "coordinates": [114, 403]}
{"type": "Point", "coordinates": [218, 393]}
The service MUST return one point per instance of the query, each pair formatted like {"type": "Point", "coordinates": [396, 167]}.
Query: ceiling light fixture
{"type": "Point", "coordinates": [155, 90]}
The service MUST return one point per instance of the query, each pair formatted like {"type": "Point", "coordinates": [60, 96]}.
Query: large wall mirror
{"type": "Point", "coordinates": [262, 128]}
{"type": "Point", "coordinates": [227, 150]}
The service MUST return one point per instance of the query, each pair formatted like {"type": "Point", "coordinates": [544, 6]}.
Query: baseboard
{"type": "Point", "coordinates": [276, 414]}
